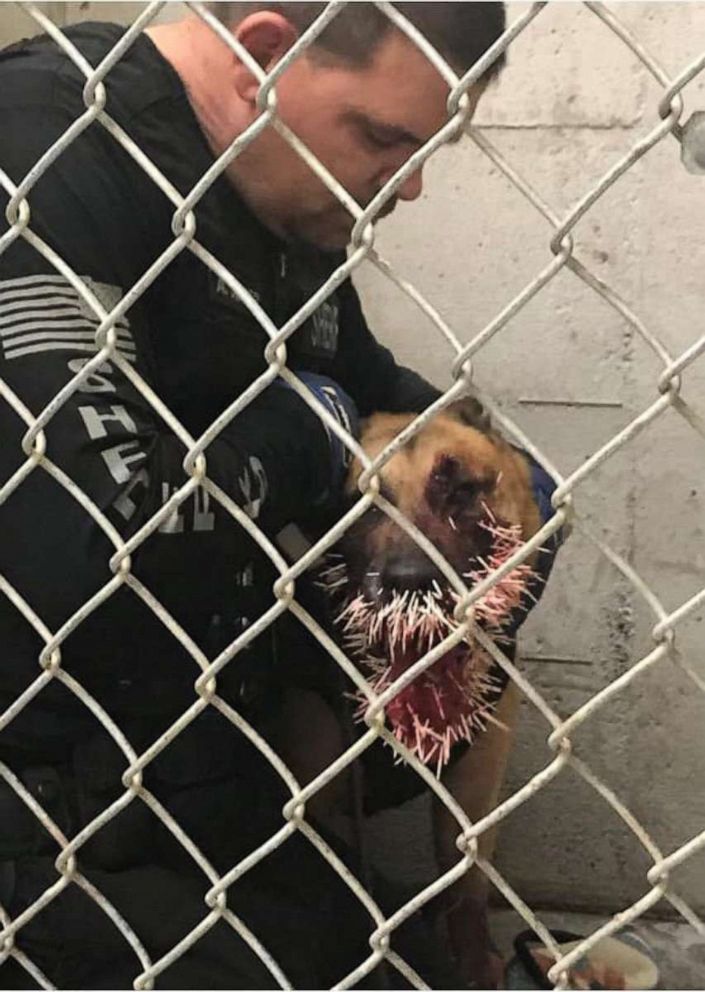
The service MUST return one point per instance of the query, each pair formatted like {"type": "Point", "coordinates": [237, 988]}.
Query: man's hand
{"type": "Point", "coordinates": [341, 406]}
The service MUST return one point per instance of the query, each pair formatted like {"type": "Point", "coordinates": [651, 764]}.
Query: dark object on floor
{"type": "Point", "coordinates": [622, 962]}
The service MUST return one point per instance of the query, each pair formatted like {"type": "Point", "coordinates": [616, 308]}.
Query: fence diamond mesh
{"type": "Point", "coordinates": [108, 344]}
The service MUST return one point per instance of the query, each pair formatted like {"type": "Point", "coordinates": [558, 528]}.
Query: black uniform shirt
{"type": "Point", "coordinates": [189, 338]}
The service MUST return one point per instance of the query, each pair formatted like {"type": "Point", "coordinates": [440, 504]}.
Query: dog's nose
{"type": "Point", "coordinates": [409, 571]}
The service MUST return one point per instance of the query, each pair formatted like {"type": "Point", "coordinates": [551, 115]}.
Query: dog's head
{"type": "Point", "coordinates": [469, 492]}
{"type": "Point", "coordinates": [450, 480]}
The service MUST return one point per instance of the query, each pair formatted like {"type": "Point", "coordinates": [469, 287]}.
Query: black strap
{"type": "Point", "coordinates": [522, 947]}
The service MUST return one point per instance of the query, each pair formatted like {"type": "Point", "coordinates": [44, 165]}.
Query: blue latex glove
{"type": "Point", "coordinates": [336, 401]}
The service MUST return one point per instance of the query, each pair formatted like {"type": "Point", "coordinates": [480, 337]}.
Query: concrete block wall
{"type": "Point", "coordinates": [568, 369]}
{"type": "Point", "coordinates": [572, 101]}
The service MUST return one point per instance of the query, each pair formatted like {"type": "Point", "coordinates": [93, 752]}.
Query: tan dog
{"type": "Point", "coordinates": [449, 480]}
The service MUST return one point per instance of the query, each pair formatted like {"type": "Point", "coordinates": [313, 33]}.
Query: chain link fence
{"type": "Point", "coordinates": [561, 254]}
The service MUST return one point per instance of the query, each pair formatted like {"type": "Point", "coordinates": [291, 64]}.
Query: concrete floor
{"type": "Point", "coordinates": [677, 949]}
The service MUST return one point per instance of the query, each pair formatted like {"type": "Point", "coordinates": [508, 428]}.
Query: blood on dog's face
{"type": "Point", "coordinates": [445, 480]}
{"type": "Point", "coordinates": [469, 492]}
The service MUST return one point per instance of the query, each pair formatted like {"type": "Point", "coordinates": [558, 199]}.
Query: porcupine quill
{"type": "Point", "coordinates": [449, 701]}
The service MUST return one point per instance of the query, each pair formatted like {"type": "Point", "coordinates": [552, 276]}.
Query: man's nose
{"type": "Point", "coordinates": [412, 188]}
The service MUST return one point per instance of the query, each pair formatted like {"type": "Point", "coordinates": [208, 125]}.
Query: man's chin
{"type": "Point", "coordinates": [326, 238]}
{"type": "Point", "coordinates": [330, 231]}
{"type": "Point", "coordinates": [335, 236]}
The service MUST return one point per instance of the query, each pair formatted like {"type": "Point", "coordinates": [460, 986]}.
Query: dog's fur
{"type": "Point", "coordinates": [439, 480]}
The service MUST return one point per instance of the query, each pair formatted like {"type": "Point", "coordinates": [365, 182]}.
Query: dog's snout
{"type": "Point", "coordinates": [398, 571]}
{"type": "Point", "coordinates": [372, 586]}
{"type": "Point", "coordinates": [411, 571]}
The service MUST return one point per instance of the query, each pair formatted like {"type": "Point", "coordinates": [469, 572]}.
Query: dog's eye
{"type": "Point", "coordinates": [452, 488]}
{"type": "Point", "coordinates": [469, 491]}
{"type": "Point", "coordinates": [466, 491]}
{"type": "Point", "coordinates": [446, 471]}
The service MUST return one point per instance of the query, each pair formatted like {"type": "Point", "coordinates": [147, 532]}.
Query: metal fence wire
{"type": "Point", "coordinates": [560, 254]}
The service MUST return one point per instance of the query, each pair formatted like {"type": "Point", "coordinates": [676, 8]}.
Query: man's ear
{"type": "Point", "coordinates": [470, 411]}
{"type": "Point", "coordinates": [267, 36]}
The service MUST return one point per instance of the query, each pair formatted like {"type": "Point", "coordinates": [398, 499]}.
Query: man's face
{"type": "Point", "coordinates": [361, 123]}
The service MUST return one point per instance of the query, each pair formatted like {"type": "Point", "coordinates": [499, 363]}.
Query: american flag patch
{"type": "Point", "coordinates": [45, 313]}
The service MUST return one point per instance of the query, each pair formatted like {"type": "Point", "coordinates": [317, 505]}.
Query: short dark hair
{"type": "Point", "coordinates": [461, 31]}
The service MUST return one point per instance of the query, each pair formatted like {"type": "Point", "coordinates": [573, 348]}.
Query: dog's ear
{"type": "Point", "coordinates": [470, 411]}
